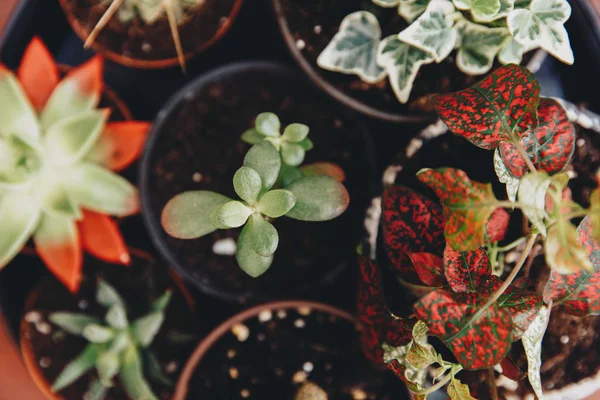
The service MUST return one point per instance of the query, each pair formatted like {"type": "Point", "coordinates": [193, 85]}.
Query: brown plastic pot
{"type": "Point", "coordinates": [83, 28]}
{"type": "Point", "coordinates": [28, 328]}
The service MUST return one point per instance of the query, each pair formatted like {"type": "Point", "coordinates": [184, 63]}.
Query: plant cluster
{"type": "Point", "coordinates": [57, 151]}
{"type": "Point", "coordinates": [270, 184]}
{"type": "Point", "coordinates": [117, 347]}
{"type": "Point", "coordinates": [480, 31]}
{"type": "Point", "coordinates": [473, 301]}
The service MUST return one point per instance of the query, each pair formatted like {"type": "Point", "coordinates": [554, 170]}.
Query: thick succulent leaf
{"type": "Point", "coordinates": [116, 317]}
{"type": "Point", "coordinates": [290, 174]}
{"type": "Point", "coordinates": [17, 116]}
{"type": "Point", "coordinates": [550, 146]}
{"type": "Point", "coordinates": [107, 296]}
{"type": "Point", "coordinates": [250, 261]}
{"type": "Point", "coordinates": [98, 189]}
{"type": "Point", "coordinates": [479, 45]}
{"type": "Point", "coordinates": [78, 92]}
{"type": "Point", "coordinates": [493, 110]}
{"type": "Point", "coordinates": [412, 9]}
{"type": "Point", "coordinates": [252, 136]}
{"type": "Point", "coordinates": [53, 196]}
{"type": "Point", "coordinates": [387, 3]}
{"type": "Point", "coordinates": [482, 10]}
{"type": "Point", "coordinates": [101, 237]}
{"type": "Point", "coordinates": [532, 343]}
{"type": "Point", "coordinates": [532, 192]}
{"type": "Point", "coordinates": [155, 371]}
{"type": "Point", "coordinates": [459, 391]}
{"type": "Point", "coordinates": [295, 132]}
{"type": "Point", "coordinates": [58, 244]}
{"type": "Point", "coordinates": [19, 214]}
{"type": "Point", "coordinates": [467, 206]}
{"type": "Point", "coordinates": [353, 50]}
{"type": "Point", "coordinates": [107, 366]}
{"type": "Point", "coordinates": [76, 368]}
{"type": "Point", "coordinates": [306, 144]}
{"type": "Point", "coordinates": [276, 203]}
{"type": "Point", "coordinates": [433, 31]}
{"type": "Point", "coordinates": [71, 322]}
{"type": "Point", "coordinates": [144, 329]}
{"type": "Point", "coordinates": [566, 253]}
{"type": "Point", "coordinates": [96, 391]}
{"type": "Point", "coordinates": [187, 215]}
{"type": "Point", "coordinates": [541, 25]}
{"type": "Point", "coordinates": [402, 62]}
{"type": "Point", "coordinates": [38, 73]}
{"type": "Point", "coordinates": [292, 154]}
{"type": "Point", "coordinates": [318, 198]}
{"type": "Point", "coordinates": [163, 301]}
{"type": "Point", "coordinates": [504, 176]}
{"type": "Point", "coordinates": [132, 376]}
{"type": "Point", "coordinates": [20, 162]}
{"type": "Point", "coordinates": [411, 224]}
{"type": "Point", "coordinates": [263, 235]}
{"type": "Point", "coordinates": [578, 292]}
{"type": "Point", "coordinates": [71, 138]}
{"type": "Point", "coordinates": [475, 344]}
{"type": "Point", "coordinates": [429, 267]}
{"type": "Point", "coordinates": [466, 270]}
{"type": "Point", "coordinates": [324, 168]}
{"type": "Point", "coordinates": [96, 333]}
{"type": "Point", "coordinates": [264, 159]}
{"type": "Point", "coordinates": [232, 214]}
{"type": "Point", "coordinates": [268, 124]}
{"type": "Point", "coordinates": [247, 184]}
{"type": "Point", "coordinates": [119, 145]}
{"type": "Point", "coordinates": [497, 225]}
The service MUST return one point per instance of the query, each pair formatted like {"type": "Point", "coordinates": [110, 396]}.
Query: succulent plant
{"type": "Point", "coordinates": [479, 30]}
{"type": "Point", "coordinates": [57, 151]}
{"type": "Point", "coordinates": [270, 185]}
{"type": "Point", "coordinates": [149, 11]}
{"type": "Point", "coordinates": [117, 346]}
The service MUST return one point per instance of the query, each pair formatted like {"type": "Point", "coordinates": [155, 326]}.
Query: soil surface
{"type": "Point", "coordinates": [139, 284]}
{"type": "Point", "coordinates": [138, 40]}
{"type": "Point", "coordinates": [568, 354]}
{"type": "Point", "coordinates": [200, 149]}
{"type": "Point", "coordinates": [272, 355]}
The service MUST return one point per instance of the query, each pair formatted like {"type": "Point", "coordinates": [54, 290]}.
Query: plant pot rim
{"type": "Point", "coordinates": [152, 222]}
{"type": "Point", "coordinates": [181, 388]}
{"type": "Point", "coordinates": [26, 350]}
{"type": "Point", "coordinates": [132, 62]}
{"type": "Point", "coordinates": [323, 84]}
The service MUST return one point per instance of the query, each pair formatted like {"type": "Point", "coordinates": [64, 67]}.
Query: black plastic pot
{"type": "Point", "coordinates": [200, 127]}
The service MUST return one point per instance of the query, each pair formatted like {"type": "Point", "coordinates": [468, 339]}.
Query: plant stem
{"type": "Point", "coordinates": [112, 9]}
{"type": "Point", "coordinates": [492, 383]}
{"type": "Point", "coordinates": [441, 383]}
{"type": "Point", "coordinates": [523, 153]}
{"type": "Point", "coordinates": [512, 245]}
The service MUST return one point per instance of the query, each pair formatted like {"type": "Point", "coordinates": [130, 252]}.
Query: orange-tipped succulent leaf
{"type": "Point", "coordinates": [101, 237]}
{"type": "Point", "coordinates": [120, 144]}
{"type": "Point", "coordinates": [38, 73]}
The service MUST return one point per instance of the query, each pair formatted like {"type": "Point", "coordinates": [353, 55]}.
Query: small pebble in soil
{"type": "Point", "coordinates": [318, 29]}
{"type": "Point", "coordinates": [564, 339]}
{"type": "Point", "coordinates": [300, 44]}
{"type": "Point", "coordinates": [83, 304]}
{"type": "Point", "coordinates": [223, 20]}
{"type": "Point", "coordinates": [146, 47]}
{"type": "Point", "coordinates": [33, 317]}
{"type": "Point", "coordinates": [197, 177]}
{"type": "Point", "coordinates": [572, 174]}
{"type": "Point", "coordinates": [265, 316]}
{"type": "Point", "coordinates": [304, 311]}
{"type": "Point", "coordinates": [225, 247]}
{"type": "Point", "coordinates": [281, 314]}
{"type": "Point", "coordinates": [43, 327]}
{"type": "Point", "coordinates": [278, 371]}
{"type": "Point", "coordinates": [171, 367]}
{"type": "Point", "coordinates": [45, 362]}
{"type": "Point", "coordinates": [240, 331]}
{"type": "Point", "coordinates": [231, 354]}
{"type": "Point", "coordinates": [261, 337]}
{"type": "Point", "coordinates": [308, 367]}
{"type": "Point", "coordinates": [338, 124]}
{"type": "Point", "coordinates": [299, 323]}
{"type": "Point", "coordinates": [358, 394]}
{"type": "Point", "coordinates": [299, 377]}
{"type": "Point", "coordinates": [328, 367]}
{"type": "Point", "coordinates": [234, 373]}
{"type": "Point", "coordinates": [245, 393]}
{"type": "Point", "coordinates": [580, 142]}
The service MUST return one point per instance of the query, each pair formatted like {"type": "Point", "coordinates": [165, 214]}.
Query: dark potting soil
{"type": "Point", "coordinates": [271, 355]}
{"type": "Point", "coordinates": [200, 149]}
{"type": "Point", "coordinates": [139, 40]}
{"type": "Point", "coordinates": [139, 284]}
{"type": "Point", "coordinates": [569, 348]}
{"type": "Point", "coordinates": [313, 23]}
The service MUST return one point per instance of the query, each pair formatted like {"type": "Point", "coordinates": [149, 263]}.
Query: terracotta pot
{"type": "Point", "coordinates": [83, 28]}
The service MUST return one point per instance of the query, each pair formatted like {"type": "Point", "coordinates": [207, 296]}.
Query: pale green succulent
{"type": "Point", "coordinates": [117, 347]}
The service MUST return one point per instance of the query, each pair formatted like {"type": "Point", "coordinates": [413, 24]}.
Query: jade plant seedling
{"type": "Point", "coordinates": [479, 30]}
{"type": "Point", "coordinates": [117, 347]}
{"type": "Point", "coordinates": [270, 184]}
{"type": "Point", "coordinates": [149, 11]}
{"type": "Point", "coordinates": [57, 151]}
{"type": "Point", "coordinates": [475, 302]}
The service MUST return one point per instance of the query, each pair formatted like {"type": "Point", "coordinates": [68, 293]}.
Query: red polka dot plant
{"type": "Point", "coordinates": [472, 298]}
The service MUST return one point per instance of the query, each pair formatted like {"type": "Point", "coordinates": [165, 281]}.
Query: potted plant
{"type": "Point", "coordinates": [150, 34]}
{"type": "Point", "coordinates": [289, 349]}
{"type": "Point", "coordinates": [412, 44]}
{"type": "Point", "coordinates": [498, 301]}
{"type": "Point", "coordinates": [126, 334]}
{"type": "Point", "coordinates": [196, 145]}
{"type": "Point", "coordinates": [59, 154]}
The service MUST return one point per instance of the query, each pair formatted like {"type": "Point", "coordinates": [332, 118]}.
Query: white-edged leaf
{"type": "Point", "coordinates": [478, 47]}
{"type": "Point", "coordinates": [232, 214]}
{"type": "Point", "coordinates": [17, 116]}
{"type": "Point", "coordinates": [132, 376]}
{"type": "Point", "coordinates": [107, 296]}
{"type": "Point", "coordinates": [482, 10]}
{"type": "Point", "coordinates": [249, 260]}
{"type": "Point", "coordinates": [353, 50]}
{"type": "Point", "coordinates": [512, 52]}
{"type": "Point", "coordinates": [532, 193]}
{"type": "Point", "coordinates": [433, 31]}
{"type": "Point", "coordinates": [402, 62]}
{"type": "Point", "coordinates": [76, 368]}
{"type": "Point", "coordinates": [542, 25]}
{"type": "Point", "coordinates": [264, 159]}
{"type": "Point", "coordinates": [19, 215]}
{"type": "Point", "coordinates": [412, 9]}
{"type": "Point", "coordinates": [72, 322]}
{"type": "Point", "coordinates": [263, 235]}
{"type": "Point", "coordinates": [144, 329]}
{"type": "Point", "coordinates": [116, 317]}
{"type": "Point", "coordinates": [247, 184]}
{"type": "Point", "coordinates": [532, 343]}
{"type": "Point", "coordinates": [504, 176]}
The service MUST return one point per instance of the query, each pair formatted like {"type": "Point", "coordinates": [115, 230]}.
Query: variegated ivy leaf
{"type": "Point", "coordinates": [542, 25]}
{"type": "Point", "coordinates": [353, 50]}
{"type": "Point", "coordinates": [402, 62]}
{"type": "Point", "coordinates": [433, 31]}
{"type": "Point", "coordinates": [512, 52]}
{"type": "Point", "coordinates": [459, 391]}
{"type": "Point", "coordinates": [412, 9]}
{"type": "Point", "coordinates": [482, 10]}
{"type": "Point", "coordinates": [387, 3]}
{"type": "Point", "coordinates": [504, 176]}
{"type": "Point", "coordinates": [532, 193]}
{"type": "Point", "coordinates": [478, 46]}
{"type": "Point", "coordinates": [532, 343]}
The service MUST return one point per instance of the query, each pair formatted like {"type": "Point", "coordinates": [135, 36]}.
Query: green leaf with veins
{"type": "Point", "coordinates": [459, 391]}
{"type": "Point", "coordinates": [276, 203]}
{"type": "Point", "coordinates": [479, 45]}
{"type": "Point", "coordinates": [187, 215]}
{"type": "Point", "coordinates": [249, 260]}
{"type": "Point", "coordinates": [247, 184]}
{"type": "Point", "coordinates": [412, 9]}
{"type": "Point", "coordinates": [264, 159]}
{"type": "Point", "coordinates": [263, 235]}
{"type": "Point", "coordinates": [482, 10]}
{"type": "Point", "coordinates": [232, 214]}
{"type": "Point", "coordinates": [318, 198]}
{"type": "Point", "coordinates": [295, 132]}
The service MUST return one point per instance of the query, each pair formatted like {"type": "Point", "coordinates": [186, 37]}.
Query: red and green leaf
{"type": "Point", "coordinates": [429, 267]}
{"type": "Point", "coordinates": [467, 206]}
{"type": "Point", "coordinates": [500, 107]}
{"type": "Point", "coordinates": [511, 370]}
{"type": "Point", "coordinates": [497, 225]}
{"type": "Point", "coordinates": [411, 224]}
{"type": "Point", "coordinates": [466, 270]}
{"type": "Point", "coordinates": [550, 146]}
{"type": "Point", "coordinates": [579, 292]}
{"type": "Point", "coordinates": [476, 344]}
